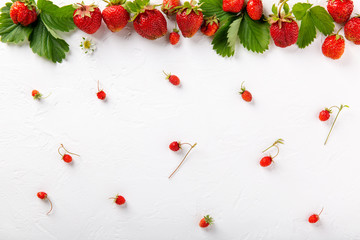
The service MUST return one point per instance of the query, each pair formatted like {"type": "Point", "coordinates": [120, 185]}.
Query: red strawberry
{"type": "Point", "coordinates": [150, 23]}
{"type": "Point", "coordinates": [267, 160]}
{"type": "Point", "coordinates": [210, 26]}
{"type": "Point", "coordinates": [36, 94]}
{"type": "Point", "coordinates": [189, 19]}
{"type": "Point", "coordinates": [87, 18]}
{"type": "Point", "coordinates": [284, 30]}
{"type": "Point", "coordinates": [174, 37]}
{"type": "Point", "coordinates": [119, 200]}
{"type": "Point", "coordinates": [168, 6]}
{"type": "Point", "coordinates": [255, 9]}
{"type": "Point", "coordinates": [100, 94]}
{"type": "Point", "coordinates": [175, 146]}
{"type": "Point", "coordinates": [206, 221]}
{"type": "Point", "coordinates": [115, 15]}
{"type": "Point", "coordinates": [172, 79]}
{"type": "Point", "coordinates": [43, 196]}
{"type": "Point", "coordinates": [333, 46]}
{"type": "Point", "coordinates": [315, 217]}
{"type": "Point", "coordinates": [234, 6]}
{"type": "Point", "coordinates": [23, 12]}
{"type": "Point", "coordinates": [66, 157]}
{"type": "Point", "coordinates": [340, 10]}
{"type": "Point", "coordinates": [352, 30]}
{"type": "Point", "coordinates": [324, 114]}
{"type": "Point", "coordinates": [246, 95]}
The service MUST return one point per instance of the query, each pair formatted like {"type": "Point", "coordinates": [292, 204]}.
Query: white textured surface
{"type": "Point", "coordinates": [123, 142]}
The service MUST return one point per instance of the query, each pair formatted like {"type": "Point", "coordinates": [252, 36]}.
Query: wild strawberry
{"type": "Point", "coordinates": [23, 12]}
{"type": "Point", "coordinates": [37, 95]}
{"type": "Point", "coordinates": [254, 8]}
{"type": "Point", "coordinates": [246, 95]}
{"type": "Point", "coordinates": [210, 26]}
{"type": "Point", "coordinates": [267, 160]}
{"type": "Point", "coordinates": [333, 46]}
{"type": "Point", "coordinates": [87, 17]}
{"type": "Point", "coordinates": [189, 19]}
{"type": "Point", "coordinates": [168, 6]}
{"type": "Point", "coordinates": [206, 221]}
{"type": "Point", "coordinates": [173, 79]}
{"type": "Point", "coordinates": [340, 10]}
{"type": "Point", "coordinates": [315, 217]}
{"type": "Point", "coordinates": [352, 30]}
{"type": "Point", "coordinates": [119, 200]}
{"type": "Point", "coordinates": [115, 15]}
{"type": "Point", "coordinates": [174, 37]}
{"type": "Point", "coordinates": [324, 114]}
{"type": "Point", "coordinates": [43, 196]}
{"type": "Point", "coordinates": [337, 115]}
{"type": "Point", "coordinates": [233, 6]}
{"type": "Point", "coordinates": [175, 146]}
{"type": "Point", "coordinates": [284, 30]}
{"type": "Point", "coordinates": [66, 157]}
{"type": "Point", "coordinates": [100, 94]}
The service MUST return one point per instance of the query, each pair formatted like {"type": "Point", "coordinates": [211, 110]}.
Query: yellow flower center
{"type": "Point", "coordinates": [87, 44]}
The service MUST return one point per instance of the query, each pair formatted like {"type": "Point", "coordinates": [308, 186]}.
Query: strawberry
{"type": "Point", "coordinates": [100, 94]}
{"type": "Point", "coordinates": [284, 30]}
{"type": "Point", "coordinates": [173, 79]}
{"type": "Point", "coordinates": [175, 146]}
{"type": "Point", "coordinates": [43, 196]}
{"type": "Point", "coordinates": [246, 95]}
{"type": "Point", "coordinates": [324, 115]}
{"type": "Point", "coordinates": [254, 8]}
{"type": "Point", "coordinates": [233, 6]}
{"type": "Point", "coordinates": [168, 6]}
{"type": "Point", "coordinates": [206, 221]}
{"type": "Point", "coordinates": [150, 24]}
{"type": "Point", "coordinates": [210, 26]}
{"type": "Point", "coordinates": [352, 30]}
{"type": "Point", "coordinates": [87, 17]}
{"type": "Point", "coordinates": [37, 95]}
{"type": "Point", "coordinates": [119, 200]}
{"type": "Point", "coordinates": [340, 10]}
{"type": "Point", "coordinates": [115, 15]}
{"type": "Point", "coordinates": [267, 160]}
{"type": "Point", "coordinates": [333, 46]}
{"type": "Point", "coordinates": [66, 157]}
{"type": "Point", "coordinates": [315, 217]}
{"type": "Point", "coordinates": [174, 37]}
{"type": "Point", "coordinates": [189, 19]}
{"type": "Point", "coordinates": [23, 12]}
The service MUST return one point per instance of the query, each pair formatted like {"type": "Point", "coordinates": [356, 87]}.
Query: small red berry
{"type": "Point", "coordinates": [173, 79]}
{"type": "Point", "coordinates": [101, 95]}
{"type": "Point", "coordinates": [210, 26]}
{"type": "Point", "coordinates": [266, 161]}
{"type": "Point", "coordinates": [324, 115]}
{"type": "Point", "coordinates": [120, 200]}
{"type": "Point", "coordinates": [174, 146]}
{"type": "Point", "coordinates": [246, 95]}
{"type": "Point", "coordinates": [36, 94]}
{"type": "Point", "coordinates": [206, 221]}
{"type": "Point", "coordinates": [42, 195]}
{"type": "Point", "coordinates": [67, 158]}
{"type": "Point", "coordinates": [174, 37]}
{"type": "Point", "coordinates": [314, 218]}
{"type": "Point", "coordinates": [333, 46]}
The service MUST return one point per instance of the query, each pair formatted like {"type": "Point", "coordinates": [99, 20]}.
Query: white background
{"type": "Point", "coordinates": [123, 142]}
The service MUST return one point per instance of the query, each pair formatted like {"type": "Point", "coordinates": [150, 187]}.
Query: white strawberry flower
{"type": "Point", "coordinates": [87, 45]}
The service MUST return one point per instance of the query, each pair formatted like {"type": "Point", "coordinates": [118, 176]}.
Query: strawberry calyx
{"type": "Point", "coordinates": [211, 20]}
{"type": "Point", "coordinates": [139, 6]}
{"type": "Point", "coordinates": [243, 89]}
{"type": "Point", "coordinates": [168, 75]}
{"type": "Point", "coordinates": [175, 30]}
{"type": "Point", "coordinates": [209, 220]}
{"type": "Point", "coordinates": [37, 96]}
{"type": "Point", "coordinates": [84, 10]}
{"type": "Point", "coordinates": [280, 16]}
{"type": "Point", "coordinates": [114, 2]}
{"type": "Point", "coordinates": [30, 4]}
{"type": "Point", "coordinates": [190, 7]}
{"type": "Point", "coordinates": [168, 9]}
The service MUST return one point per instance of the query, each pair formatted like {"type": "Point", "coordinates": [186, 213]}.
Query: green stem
{"type": "Point", "coordinates": [332, 126]}
{"type": "Point", "coordinates": [192, 146]}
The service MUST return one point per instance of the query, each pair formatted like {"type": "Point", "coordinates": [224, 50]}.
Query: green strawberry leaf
{"type": "Point", "coordinates": [274, 9]}
{"type": "Point", "coordinates": [307, 32]}
{"type": "Point", "coordinates": [220, 41]}
{"type": "Point", "coordinates": [232, 34]}
{"type": "Point", "coordinates": [10, 32]}
{"type": "Point", "coordinates": [299, 10]}
{"type": "Point", "coordinates": [56, 18]}
{"type": "Point", "coordinates": [254, 35]}
{"type": "Point", "coordinates": [286, 8]}
{"type": "Point", "coordinates": [214, 7]}
{"type": "Point", "coordinates": [322, 20]}
{"type": "Point", "coordinates": [45, 44]}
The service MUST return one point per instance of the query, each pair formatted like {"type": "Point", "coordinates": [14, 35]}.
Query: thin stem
{"type": "Point", "coordinates": [277, 151]}
{"type": "Point", "coordinates": [334, 107]}
{"type": "Point", "coordinates": [280, 7]}
{"type": "Point", "coordinates": [268, 148]}
{"type": "Point", "coordinates": [192, 146]}
{"type": "Point", "coordinates": [321, 211]}
{"type": "Point", "coordinates": [51, 206]}
{"type": "Point", "coordinates": [186, 143]}
{"type": "Point", "coordinates": [68, 151]}
{"type": "Point", "coordinates": [47, 96]}
{"type": "Point", "coordinates": [61, 146]}
{"type": "Point", "coordinates": [332, 126]}
{"type": "Point", "coordinates": [98, 85]}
